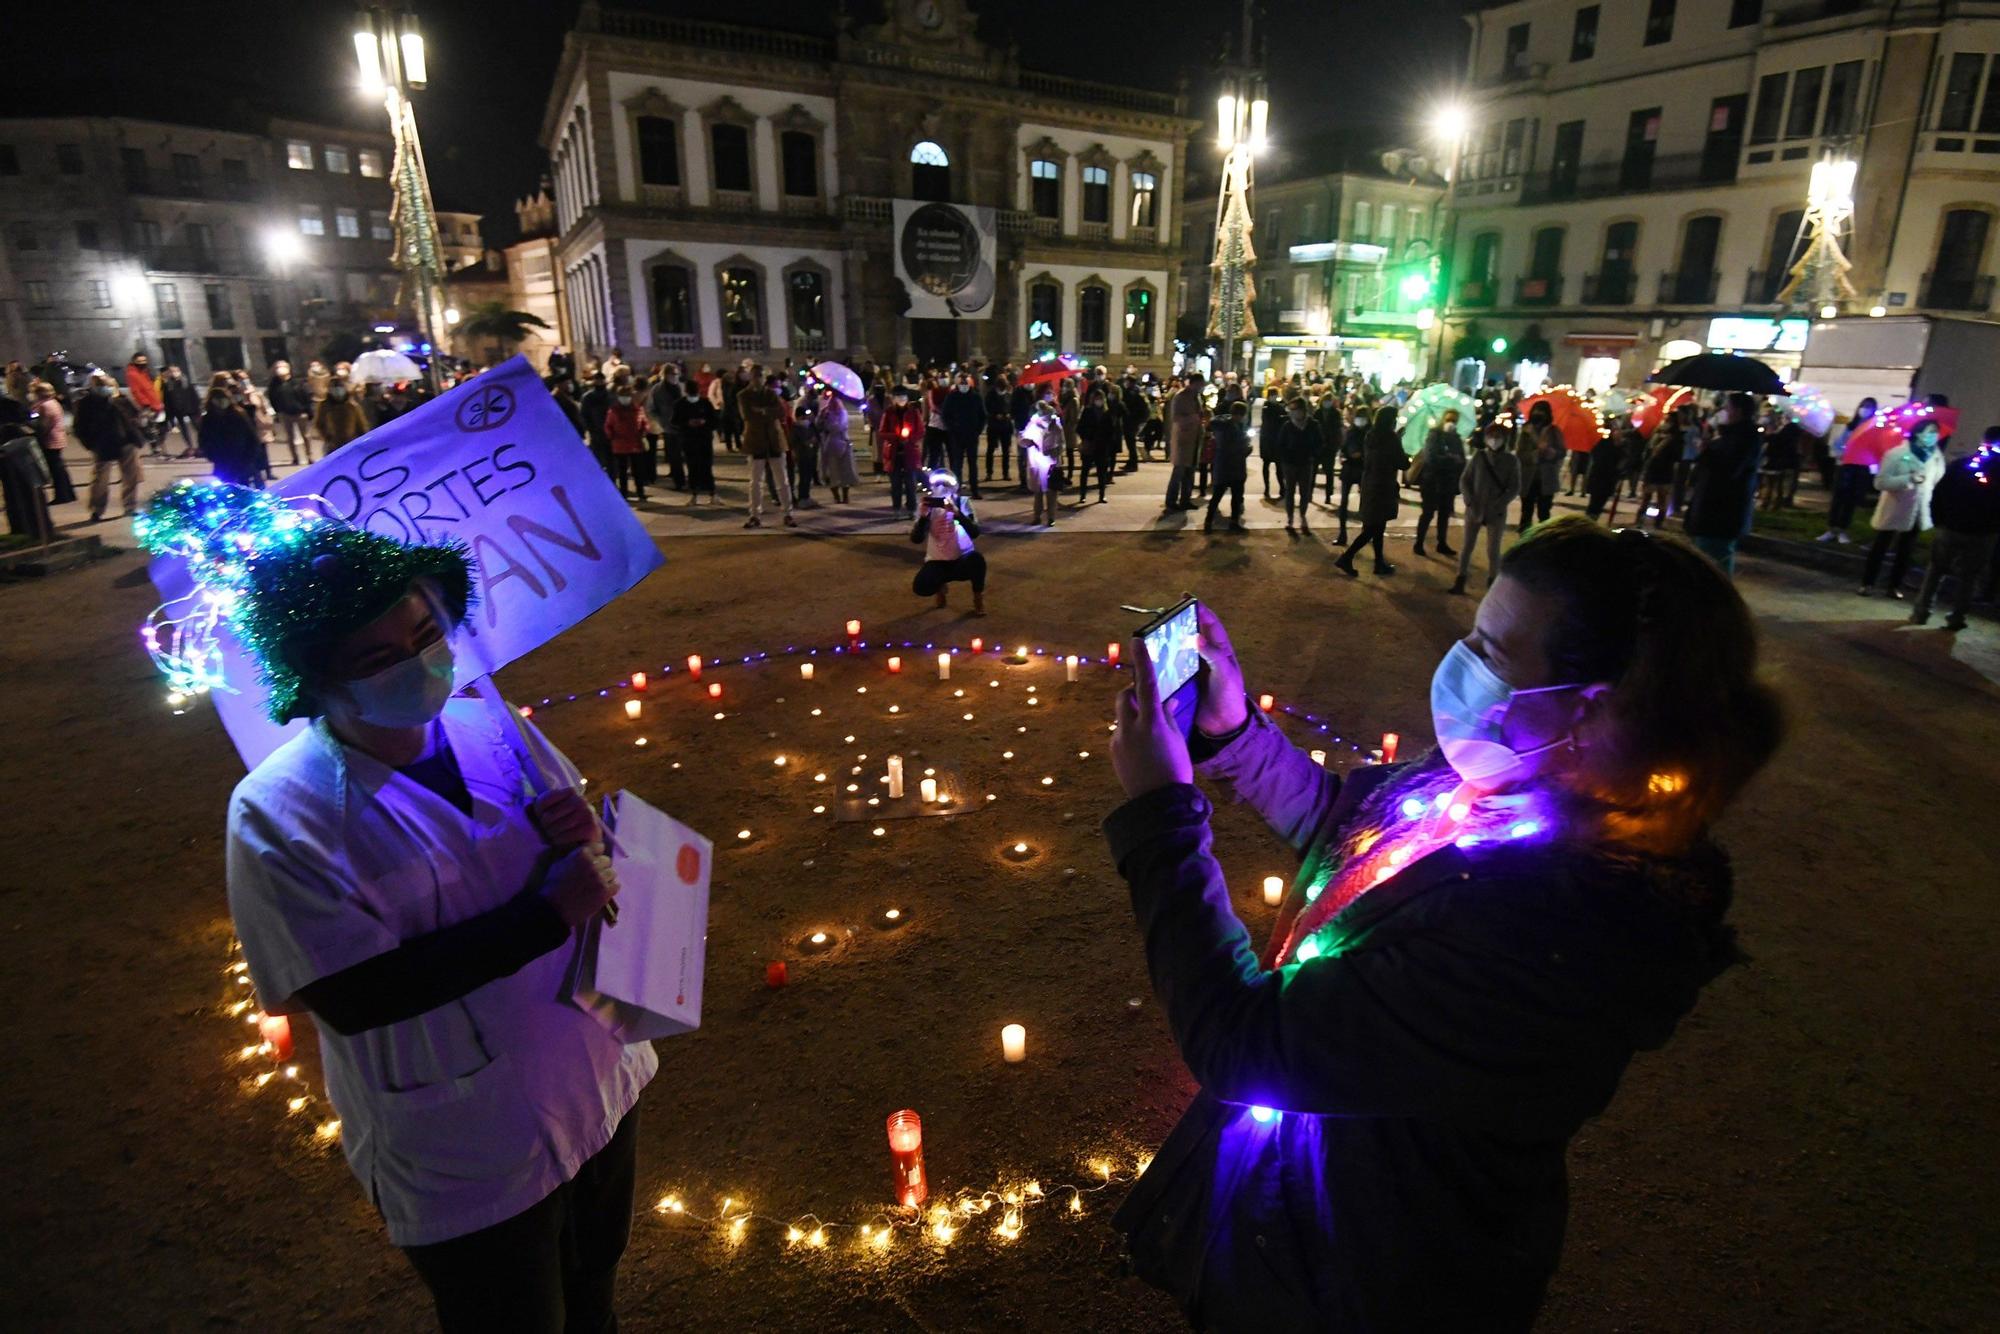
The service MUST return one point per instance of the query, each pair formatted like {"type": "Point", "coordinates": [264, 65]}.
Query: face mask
{"type": "Point", "coordinates": [408, 694]}
{"type": "Point", "coordinates": [1468, 704]}
{"type": "Point", "coordinates": [625, 400]}
{"type": "Point", "coordinates": [338, 391]}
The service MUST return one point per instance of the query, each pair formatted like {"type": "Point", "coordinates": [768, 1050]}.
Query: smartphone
{"type": "Point", "coordinates": [1173, 642]}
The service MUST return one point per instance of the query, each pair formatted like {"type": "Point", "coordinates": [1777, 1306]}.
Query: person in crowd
{"type": "Point", "coordinates": [999, 428]}
{"type": "Point", "coordinates": [1132, 399]}
{"type": "Point", "coordinates": [1069, 407]}
{"type": "Point", "coordinates": [596, 402]}
{"type": "Point", "coordinates": [1965, 506]}
{"type": "Point", "coordinates": [142, 391]}
{"type": "Point", "coordinates": [1295, 445]}
{"type": "Point", "coordinates": [1186, 416]}
{"type": "Point", "coordinates": [1437, 471]}
{"type": "Point", "coordinates": [1098, 447]}
{"type": "Point", "coordinates": [763, 417]}
{"type": "Point", "coordinates": [1693, 433]}
{"type": "Point", "coordinates": [1477, 943]}
{"type": "Point", "coordinates": [1021, 407]}
{"type": "Point", "coordinates": [836, 451]}
{"type": "Point", "coordinates": [902, 432]}
{"type": "Point", "coordinates": [318, 380]}
{"type": "Point", "coordinates": [1853, 480]}
{"type": "Point", "coordinates": [694, 421]}
{"type": "Point", "coordinates": [563, 393]}
{"type": "Point", "coordinates": [340, 418]}
{"type": "Point", "coordinates": [257, 410]}
{"type": "Point", "coordinates": [179, 406]}
{"type": "Point", "coordinates": [1578, 469]}
{"type": "Point", "coordinates": [51, 427]}
{"type": "Point", "coordinates": [965, 417]}
{"type": "Point", "coordinates": [663, 395]}
{"type": "Point", "coordinates": [20, 382]}
{"type": "Point", "coordinates": [108, 425]}
{"type": "Point", "coordinates": [1657, 490]}
{"type": "Point", "coordinates": [1632, 459]}
{"type": "Point", "coordinates": [1353, 462]}
{"type": "Point", "coordinates": [1723, 489]}
{"type": "Point", "coordinates": [1042, 448]}
{"type": "Point", "coordinates": [1784, 458]}
{"type": "Point", "coordinates": [1332, 430]}
{"type": "Point", "coordinates": [1902, 505]}
{"type": "Point", "coordinates": [947, 528]}
{"type": "Point", "coordinates": [726, 388]}
{"type": "Point", "coordinates": [1606, 472]}
{"type": "Point", "coordinates": [1489, 484]}
{"type": "Point", "coordinates": [291, 410]}
{"type": "Point", "coordinates": [1231, 429]}
{"type": "Point", "coordinates": [1381, 484]}
{"type": "Point", "coordinates": [228, 440]}
{"type": "Point", "coordinates": [1270, 424]}
{"type": "Point", "coordinates": [1541, 449]}
{"type": "Point", "coordinates": [626, 426]}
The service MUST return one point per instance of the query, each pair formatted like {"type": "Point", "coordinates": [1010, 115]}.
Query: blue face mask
{"type": "Point", "coordinates": [408, 694]}
{"type": "Point", "coordinates": [1468, 707]}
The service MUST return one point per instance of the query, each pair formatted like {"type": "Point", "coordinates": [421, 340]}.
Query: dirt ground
{"type": "Point", "coordinates": [1813, 1150]}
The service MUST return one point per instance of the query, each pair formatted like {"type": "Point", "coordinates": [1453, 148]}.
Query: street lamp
{"type": "Point", "coordinates": [1242, 118]}
{"type": "Point", "coordinates": [391, 62]}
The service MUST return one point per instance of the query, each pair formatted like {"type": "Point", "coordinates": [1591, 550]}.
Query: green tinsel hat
{"type": "Point", "coordinates": [290, 581]}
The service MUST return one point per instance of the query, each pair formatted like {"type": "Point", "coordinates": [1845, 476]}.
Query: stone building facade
{"type": "Point", "coordinates": [724, 192]}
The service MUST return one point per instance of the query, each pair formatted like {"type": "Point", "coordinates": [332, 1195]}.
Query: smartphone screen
{"type": "Point", "coordinates": [1174, 646]}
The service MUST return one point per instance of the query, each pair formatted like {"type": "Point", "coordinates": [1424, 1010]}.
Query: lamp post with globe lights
{"type": "Point", "coordinates": [389, 52]}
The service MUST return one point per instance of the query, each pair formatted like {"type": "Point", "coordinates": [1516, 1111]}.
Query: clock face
{"type": "Point", "coordinates": [926, 13]}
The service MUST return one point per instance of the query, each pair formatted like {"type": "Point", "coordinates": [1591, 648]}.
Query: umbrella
{"type": "Point", "coordinates": [1892, 428]}
{"type": "Point", "coordinates": [385, 365]}
{"type": "Point", "coordinates": [1426, 409]}
{"type": "Point", "coordinates": [1579, 425]}
{"type": "Point", "coordinates": [840, 379]}
{"type": "Point", "coordinates": [1809, 408]}
{"type": "Point", "coordinates": [1660, 400]}
{"type": "Point", "coordinates": [1052, 368]}
{"type": "Point", "coordinates": [1618, 402]}
{"type": "Point", "coordinates": [1720, 370]}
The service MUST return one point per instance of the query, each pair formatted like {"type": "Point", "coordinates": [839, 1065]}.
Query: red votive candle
{"type": "Point", "coordinates": [1111, 652]}
{"type": "Point", "coordinates": [694, 666]}
{"type": "Point", "coordinates": [638, 680]}
{"type": "Point", "coordinates": [854, 629]}
{"type": "Point", "coordinates": [977, 643]}
{"type": "Point", "coordinates": [1266, 703]}
{"type": "Point", "coordinates": [906, 1143]}
{"type": "Point", "coordinates": [1389, 740]}
{"type": "Point", "coordinates": [776, 974]}
{"type": "Point", "coordinates": [895, 666]}
{"type": "Point", "coordinates": [715, 690]}
{"type": "Point", "coordinates": [276, 1030]}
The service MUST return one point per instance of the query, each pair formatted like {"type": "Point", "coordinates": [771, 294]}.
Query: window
{"type": "Point", "coordinates": [221, 315]}
{"type": "Point", "coordinates": [235, 173]}
{"type": "Point", "coordinates": [805, 301]}
{"type": "Point", "coordinates": [201, 241]}
{"type": "Point", "coordinates": [311, 221]}
{"type": "Point", "coordinates": [86, 236]}
{"type": "Point", "coordinates": [1096, 194]}
{"type": "Point", "coordinates": [263, 310]}
{"type": "Point", "coordinates": [1961, 85]}
{"type": "Point", "coordinates": [673, 302]}
{"type": "Point", "coordinates": [1567, 159]}
{"type": "Point", "coordinates": [742, 303]}
{"type": "Point", "coordinates": [729, 145]}
{"type": "Point", "coordinates": [298, 155]}
{"type": "Point", "coordinates": [38, 295]}
{"type": "Point", "coordinates": [798, 160]}
{"type": "Point", "coordinates": [1545, 254]}
{"type": "Point", "coordinates": [69, 159]}
{"type": "Point", "coordinates": [1485, 261]}
{"type": "Point", "coordinates": [1514, 59]}
{"type": "Point", "coordinates": [1045, 188]}
{"type": "Point", "coordinates": [1364, 223]}
{"type": "Point", "coordinates": [1413, 225]}
{"type": "Point", "coordinates": [347, 222]}
{"type": "Point", "coordinates": [1093, 317]}
{"type": "Point", "coordinates": [371, 162]}
{"type": "Point", "coordinates": [167, 302]}
{"type": "Point", "coordinates": [336, 160]}
{"type": "Point", "coordinates": [930, 172]}
{"type": "Point", "coordinates": [100, 294]}
{"type": "Point", "coordinates": [1743, 13]}
{"type": "Point", "coordinates": [132, 165]}
{"type": "Point", "coordinates": [1301, 285]}
{"type": "Point", "coordinates": [1723, 147]}
{"type": "Point", "coordinates": [148, 232]}
{"type": "Point", "coordinates": [1785, 235]}
{"type": "Point", "coordinates": [173, 352]}
{"type": "Point", "coordinates": [1770, 108]}
{"type": "Point", "coordinates": [1989, 109]}
{"type": "Point", "coordinates": [379, 228]}
{"type": "Point", "coordinates": [1044, 314]}
{"type": "Point", "coordinates": [223, 353]}
{"type": "Point", "coordinates": [1583, 37]}
{"type": "Point", "coordinates": [23, 236]}
{"type": "Point", "coordinates": [1961, 250]}
{"type": "Point", "coordinates": [1642, 137]}
{"type": "Point", "coordinates": [187, 173]}
{"type": "Point", "coordinates": [1805, 102]}
{"type": "Point", "coordinates": [1145, 204]}
{"type": "Point", "coordinates": [10, 161]}
{"type": "Point", "coordinates": [1138, 319]}
{"type": "Point", "coordinates": [1621, 241]}
{"type": "Point", "coordinates": [357, 286]}
{"type": "Point", "coordinates": [1659, 22]}
{"type": "Point", "coordinates": [659, 151]}
{"type": "Point", "coordinates": [1510, 154]}
{"type": "Point", "coordinates": [1694, 281]}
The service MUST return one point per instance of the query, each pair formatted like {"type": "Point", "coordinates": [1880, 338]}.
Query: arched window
{"type": "Point", "coordinates": [1096, 194]}
{"type": "Point", "coordinates": [742, 307]}
{"type": "Point", "coordinates": [1955, 281]}
{"type": "Point", "coordinates": [1766, 283]}
{"type": "Point", "coordinates": [805, 301]}
{"type": "Point", "coordinates": [1045, 188]}
{"type": "Point", "coordinates": [930, 172]}
{"type": "Point", "coordinates": [1694, 282]}
{"type": "Point", "coordinates": [659, 151]}
{"type": "Point", "coordinates": [1044, 315]}
{"type": "Point", "coordinates": [673, 308]}
{"type": "Point", "coordinates": [1145, 201]}
{"type": "Point", "coordinates": [1093, 319]}
{"type": "Point", "coordinates": [1138, 318]}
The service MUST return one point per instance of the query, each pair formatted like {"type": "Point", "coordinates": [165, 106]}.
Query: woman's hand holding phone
{"type": "Point", "coordinates": [1147, 751]}
{"type": "Point", "coordinates": [1222, 708]}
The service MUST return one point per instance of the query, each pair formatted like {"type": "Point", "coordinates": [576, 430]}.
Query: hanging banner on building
{"type": "Point", "coordinates": [945, 259]}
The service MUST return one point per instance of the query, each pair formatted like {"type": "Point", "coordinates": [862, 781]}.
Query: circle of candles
{"type": "Point", "coordinates": [1014, 1043]}
{"type": "Point", "coordinates": [944, 666]}
{"type": "Point", "coordinates": [927, 791]}
{"type": "Point", "coordinates": [906, 1142]}
{"type": "Point", "coordinates": [1266, 702]}
{"type": "Point", "coordinates": [694, 666]}
{"type": "Point", "coordinates": [1069, 667]}
{"type": "Point", "coordinates": [1319, 758]}
{"type": "Point", "coordinates": [776, 974]}
{"type": "Point", "coordinates": [715, 690]}
{"type": "Point", "coordinates": [638, 680]}
{"type": "Point", "coordinates": [631, 708]}
{"type": "Point", "coordinates": [805, 671]}
{"type": "Point", "coordinates": [1274, 890]}
{"type": "Point", "coordinates": [1389, 740]}
{"type": "Point", "coordinates": [895, 665]}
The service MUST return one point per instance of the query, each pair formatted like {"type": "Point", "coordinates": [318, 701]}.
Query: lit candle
{"type": "Point", "coordinates": [638, 680]}
{"type": "Point", "coordinates": [944, 666]}
{"type": "Point", "coordinates": [895, 777]}
{"type": "Point", "coordinates": [895, 665]}
{"type": "Point", "coordinates": [854, 629]}
{"type": "Point", "coordinates": [978, 644]}
{"type": "Point", "coordinates": [1389, 740]}
{"type": "Point", "coordinates": [1274, 890]}
{"type": "Point", "coordinates": [276, 1030]}
{"type": "Point", "coordinates": [906, 1142]}
{"type": "Point", "coordinates": [1319, 758]}
{"type": "Point", "coordinates": [805, 671]}
{"type": "Point", "coordinates": [1266, 702]}
{"type": "Point", "coordinates": [1014, 1043]}
{"type": "Point", "coordinates": [1111, 652]}
{"type": "Point", "coordinates": [632, 708]}
{"type": "Point", "coordinates": [776, 974]}
{"type": "Point", "coordinates": [1069, 667]}
{"type": "Point", "coordinates": [694, 666]}
{"type": "Point", "coordinates": [715, 690]}
{"type": "Point", "coordinates": [927, 791]}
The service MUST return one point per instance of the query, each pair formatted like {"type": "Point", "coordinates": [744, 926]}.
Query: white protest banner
{"type": "Point", "coordinates": [493, 464]}
{"type": "Point", "coordinates": [944, 257]}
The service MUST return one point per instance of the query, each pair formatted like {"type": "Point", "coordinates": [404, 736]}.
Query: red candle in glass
{"type": "Point", "coordinates": [1389, 740]}
{"type": "Point", "coordinates": [694, 666]}
{"type": "Point", "coordinates": [854, 629]}
{"type": "Point", "coordinates": [776, 974]}
{"type": "Point", "coordinates": [276, 1030]}
{"type": "Point", "coordinates": [906, 1142]}
{"type": "Point", "coordinates": [977, 643]}
{"type": "Point", "coordinates": [1111, 651]}
{"type": "Point", "coordinates": [638, 680]}
{"type": "Point", "coordinates": [715, 690]}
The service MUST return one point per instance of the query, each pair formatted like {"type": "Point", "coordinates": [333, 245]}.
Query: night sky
{"type": "Point", "coordinates": [1333, 65]}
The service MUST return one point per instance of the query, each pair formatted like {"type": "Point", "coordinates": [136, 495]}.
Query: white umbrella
{"type": "Point", "coordinates": [840, 379]}
{"type": "Point", "coordinates": [386, 366]}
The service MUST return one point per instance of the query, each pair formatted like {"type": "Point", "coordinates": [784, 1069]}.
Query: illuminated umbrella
{"type": "Point", "coordinates": [1809, 408]}
{"type": "Point", "coordinates": [1658, 401]}
{"type": "Point", "coordinates": [1580, 427]}
{"type": "Point", "coordinates": [1892, 428]}
{"type": "Point", "coordinates": [1618, 402]}
{"type": "Point", "coordinates": [840, 379]}
{"type": "Point", "coordinates": [1721, 370]}
{"type": "Point", "coordinates": [1426, 408]}
{"type": "Point", "coordinates": [384, 365]}
{"type": "Point", "coordinates": [1053, 368]}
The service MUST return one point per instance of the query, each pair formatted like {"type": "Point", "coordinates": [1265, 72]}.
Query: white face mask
{"type": "Point", "coordinates": [408, 694]}
{"type": "Point", "coordinates": [1469, 704]}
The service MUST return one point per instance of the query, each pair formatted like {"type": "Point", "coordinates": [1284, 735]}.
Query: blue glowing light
{"type": "Point", "coordinates": [1412, 807]}
{"type": "Point", "coordinates": [1524, 829]}
{"type": "Point", "coordinates": [1470, 841]}
{"type": "Point", "coordinates": [1264, 1116]}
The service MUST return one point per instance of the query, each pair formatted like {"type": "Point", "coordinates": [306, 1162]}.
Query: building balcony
{"type": "Point", "coordinates": [680, 343]}
{"type": "Point", "coordinates": [1478, 292]}
{"type": "Point", "coordinates": [1682, 288]}
{"type": "Point", "coordinates": [1614, 287]}
{"type": "Point", "coordinates": [193, 259]}
{"type": "Point", "coordinates": [808, 342]}
{"type": "Point", "coordinates": [1761, 287]}
{"type": "Point", "coordinates": [1093, 347]}
{"type": "Point", "coordinates": [1942, 291]}
{"type": "Point", "coordinates": [1538, 291]}
{"type": "Point", "coordinates": [745, 342]}
{"type": "Point", "coordinates": [1637, 176]}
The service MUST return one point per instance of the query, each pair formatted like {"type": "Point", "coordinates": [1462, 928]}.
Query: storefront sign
{"type": "Point", "coordinates": [1743, 333]}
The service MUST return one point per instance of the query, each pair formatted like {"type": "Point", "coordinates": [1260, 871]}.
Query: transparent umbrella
{"type": "Point", "coordinates": [385, 365]}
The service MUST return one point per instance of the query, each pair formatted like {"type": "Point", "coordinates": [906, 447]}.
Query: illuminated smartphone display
{"type": "Point", "coordinates": [1173, 643]}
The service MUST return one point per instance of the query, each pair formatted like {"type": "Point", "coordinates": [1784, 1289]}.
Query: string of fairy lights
{"type": "Point", "coordinates": [998, 1214]}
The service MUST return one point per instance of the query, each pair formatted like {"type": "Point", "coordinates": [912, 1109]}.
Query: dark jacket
{"type": "Point", "coordinates": [1021, 404]}
{"type": "Point", "coordinates": [1430, 1072]}
{"type": "Point", "coordinates": [289, 397]}
{"type": "Point", "coordinates": [1269, 424]}
{"type": "Point", "coordinates": [1098, 430]}
{"type": "Point", "coordinates": [694, 418]}
{"type": "Point", "coordinates": [1442, 464]}
{"type": "Point", "coordinates": [1381, 475]}
{"type": "Point", "coordinates": [178, 398]}
{"type": "Point", "coordinates": [229, 443]}
{"type": "Point", "coordinates": [1967, 498]}
{"type": "Point", "coordinates": [1605, 470]}
{"type": "Point", "coordinates": [107, 425]}
{"type": "Point", "coordinates": [964, 415]}
{"type": "Point", "coordinates": [1724, 482]}
{"type": "Point", "coordinates": [1353, 450]}
{"type": "Point", "coordinates": [1296, 448]}
{"type": "Point", "coordinates": [1232, 450]}
{"type": "Point", "coordinates": [596, 401]}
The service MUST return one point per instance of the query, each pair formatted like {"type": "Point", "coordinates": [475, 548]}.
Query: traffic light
{"type": "Point", "coordinates": [1499, 345]}
{"type": "Point", "coordinates": [1415, 285]}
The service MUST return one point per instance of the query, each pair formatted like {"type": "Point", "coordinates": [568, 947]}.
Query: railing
{"type": "Point", "coordinates": [751, 342]}
{"type": "Point", "coordinates": [661, 196]}
{"type": "Point", "coordinates": [862, 208]}
{"type": "Point", "coordinates": [1478, 292]}
{"type": "Point", "coordinates": [1016, 223]}
{"type": "Point", "coordinates": [808, 342]}
{"type": "Point", "coordinates": [1761, 286]}
{"type": "Point", "coordinates": [800, 205]}
{"type": "Point", "coordinates": [1094, 231]}
{"type": "Point", "coordinates": [1611, 288]}
{"type": "Point", "coordinates": [676, 342]}
{"type": "Point", "coordinates": [1538, 291]}
{"type": "Point", "coordinates": [1093, 348]}
{"type": "Point", "coordinates": [715, 36]}
{"type": "Point", "coordinates": [1104, 94]}
{"type": "Point", "coordinates": [1956, 291]}
{"type": "Point", "coordinates": [1678, 288]}
{"type": "Point", "coordinates": [193, 259]}
{"type": "Point", "coordinates": [1603, 179]}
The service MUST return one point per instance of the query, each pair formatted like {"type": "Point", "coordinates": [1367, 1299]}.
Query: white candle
{"type": "Point", "coordinates": [1319, 758]}
{"type": "Point", "coordinates": [944, 666]}
{"type": "Point", "coordinates": [1069, 667]}
{"type": "Point", "coordinates": [927, 791]}
{"type": "Point", "coordinates": [895, 665]}
{"type": "Point", "coordinates": [805, 671]}
{"type": "Point", "coordinates": [631, 708]}
{"type": "Point", "coordinates": [1014, 1043]}
{"type": "Point", "coordinates": [1274, 890]}
{"type": "Point", "coordinates": [895, 777]}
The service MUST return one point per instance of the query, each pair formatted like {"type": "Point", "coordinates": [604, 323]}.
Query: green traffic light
{"type": "Point", "coordinates": [1416, 287]}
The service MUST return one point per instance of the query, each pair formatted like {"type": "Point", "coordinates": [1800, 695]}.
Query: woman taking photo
{"type": "Point", "coordinates": [1475, 946]}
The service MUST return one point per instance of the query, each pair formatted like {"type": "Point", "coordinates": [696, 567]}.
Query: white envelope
{"type": "Point", "coordinates": [642, 978]}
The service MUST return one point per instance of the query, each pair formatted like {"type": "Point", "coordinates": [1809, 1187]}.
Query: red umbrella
{"type": "Point", "coordinates": [1052, 368]}
{"type": "Point", "coordinates": [1892, 428]}
{"type": "Point", "coordinates": [1657, 403]}
{"type": "Point", "coordinates": [1578, 422]}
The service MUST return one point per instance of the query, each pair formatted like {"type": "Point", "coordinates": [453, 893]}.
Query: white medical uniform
{"type": "Point", "coordinates": [473, 1112]}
